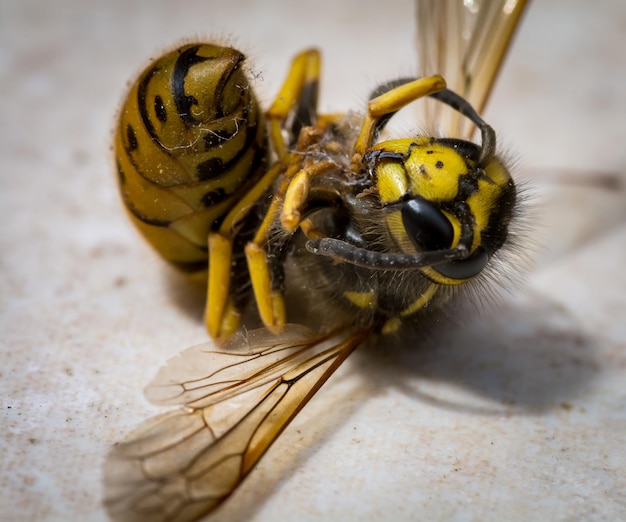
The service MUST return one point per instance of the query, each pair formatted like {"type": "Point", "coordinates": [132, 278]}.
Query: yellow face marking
{"type": "Point", "coordinates": [398, 232]}
{"type": "Point", "coordinates": [431, 170]}
{"type": "Point", "coordinates": [392, 182]}
{"type": "Point", "coordinates": [434, 171]}
{"type": "Point", "coordinates": [456, 227]}
{"type": "Point", "coordinates": [482, 202]}
{"type": "Point", "coordinates": [441, 279]}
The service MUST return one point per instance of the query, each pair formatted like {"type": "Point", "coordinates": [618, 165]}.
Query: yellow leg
{"type": "Point", "coordinates": [221, 317]}
{"type": "Point", "coordinates": [270, 302]}
{"type": "Point", "coordinates": [303, 74]}
{"type": "Point", "coordinates": [389, 102]}
{"type": "Point", "coordinates": [298, 191]}
{"type": "Point", "coordinates": [309, 230]}
{"type": "Point", "coordinates": [303, 77]}
{"type": "Point", "coordinates": [218, 322]}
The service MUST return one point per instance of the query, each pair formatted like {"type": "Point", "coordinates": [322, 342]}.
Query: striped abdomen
{"type": "Point", "coordinates": [189, 140]}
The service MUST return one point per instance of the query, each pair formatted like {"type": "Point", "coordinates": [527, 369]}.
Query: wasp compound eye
{"type": "Point", "coordinates": [466, 268]}
{"type": "Point", "coordinates": [428, 228]}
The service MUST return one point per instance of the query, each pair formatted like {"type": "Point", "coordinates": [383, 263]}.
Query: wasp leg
{"type": "Point", "coordinates": [269, 297]}
{"type": "Point", "coordinates": [309, 230]}
{"type": "Point", "coordinates": [220, 255]}
{"type": "Point", "coordinates": [221, 314]}
{"type": "Point", "coordinates": [298, 191]}
{"type": "Point", "coordinates": [270, 301]}
{"type": "Point", "coordinates": [390, 102]}
{"type": "Point", "coordinates": [292, 195]}
{"type": "Point", "coordinates": [297, 96]}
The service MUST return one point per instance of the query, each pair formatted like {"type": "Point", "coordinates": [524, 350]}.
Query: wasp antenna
{"type": "Point", "coordinates": [488, 135]}
{"type": "Point", "coordinates": [371, 259]}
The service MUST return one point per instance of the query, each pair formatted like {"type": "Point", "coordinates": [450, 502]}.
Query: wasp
{"type": "Point", "coordinates": [381, 231]}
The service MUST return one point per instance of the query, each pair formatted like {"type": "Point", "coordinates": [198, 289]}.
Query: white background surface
{"type": "Point", "coordinates": [519, 415]}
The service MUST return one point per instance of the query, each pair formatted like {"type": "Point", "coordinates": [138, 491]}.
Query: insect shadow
{"type": "Point", "coordinates": [187, 295]}
{"type": "Point", "coordinates": [528, 357]}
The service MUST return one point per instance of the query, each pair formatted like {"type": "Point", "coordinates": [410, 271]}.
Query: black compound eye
{"type": "Point", "coordinates": [464, 268]}
{"type": "Point", "coordinates": [428, 228]}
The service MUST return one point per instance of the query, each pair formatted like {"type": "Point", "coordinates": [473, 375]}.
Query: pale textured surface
{"type": "Point", "coordinates": [518, 416]}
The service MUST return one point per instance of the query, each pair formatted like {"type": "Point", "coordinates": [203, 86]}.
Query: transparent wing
{"type": "Point", "coordinates": [237, 399]}
{"type": "Point", "coordinates": [465, 41]}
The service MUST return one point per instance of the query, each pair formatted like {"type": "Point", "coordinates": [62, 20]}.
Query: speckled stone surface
{"type": "Point", "coordinates": [518, 415]}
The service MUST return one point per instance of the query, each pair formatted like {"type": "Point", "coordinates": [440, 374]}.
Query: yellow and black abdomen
{"type": "Point", "coordinates": [189, 141]}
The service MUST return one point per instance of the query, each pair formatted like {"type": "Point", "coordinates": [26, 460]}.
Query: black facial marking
{"type": "Point", "coordinates": [468, 185]}
{"type": "Point", "coordinates": [439, 164]}
{"type": "Point", "coordinates": [467, 149]}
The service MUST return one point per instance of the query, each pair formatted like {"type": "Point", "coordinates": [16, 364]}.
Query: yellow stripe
{"type": "Point", "coordinates": [421, 301]}
{"type": "Point", "coordinates": [365, 300]}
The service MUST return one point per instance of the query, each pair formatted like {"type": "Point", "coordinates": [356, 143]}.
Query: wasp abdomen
{"type": "Point", "coordinates": [189, 137]}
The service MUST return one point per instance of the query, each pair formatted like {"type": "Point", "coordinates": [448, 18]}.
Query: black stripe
{"type": "Point", "coordinates": [133, 210]}
{"type": "Point", "coordinates": [215, 167]}
{"type": "Point", "coordinates": [209, 169]}
{"type": "Point", "coordinates": [187, 59]}
{"type": "Point", "coordinates": [142, 89]}
{"type": "Point", "coordinates": [133, 144]}
{"type": "Point", "coordinates": [214, 197]}
{"type": "Point", "coordinates": [159, 109]}
{"type": "Point", "coordinates": [219, 109]}
{"type": "Point", "coordinates": [215, 138]}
